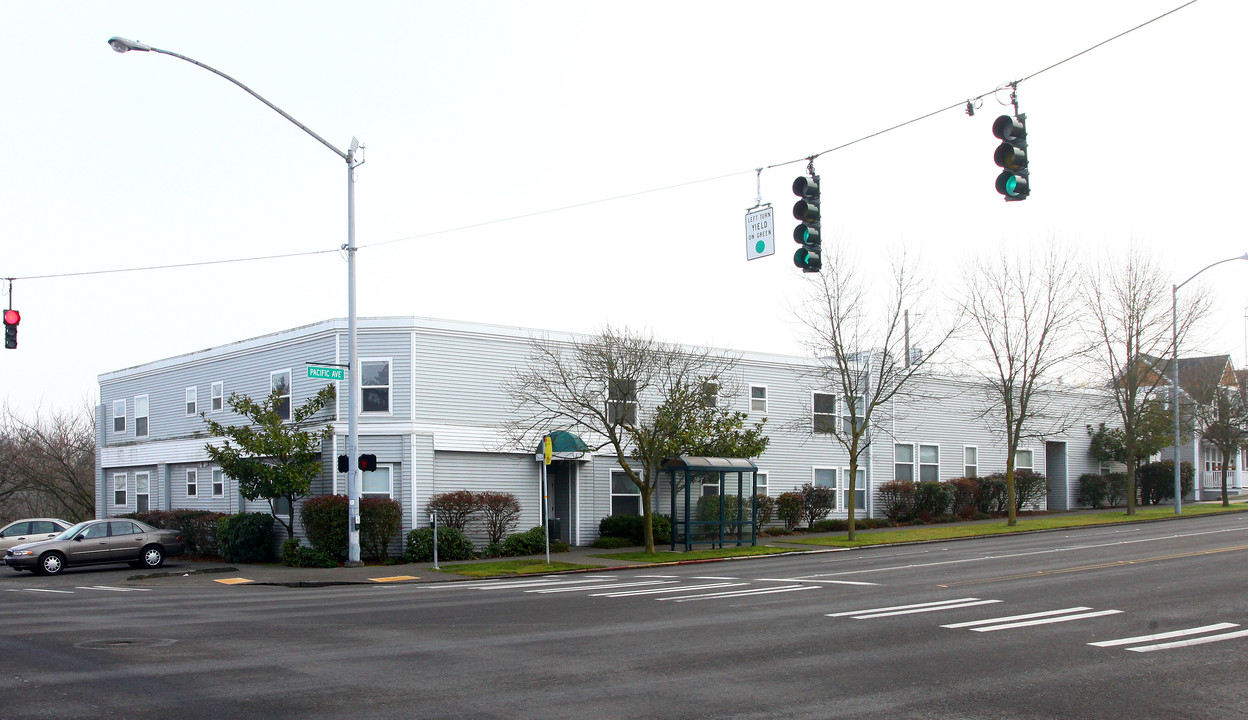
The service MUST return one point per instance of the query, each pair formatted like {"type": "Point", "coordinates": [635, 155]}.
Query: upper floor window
{"type": "Point", "coordinates": [140, 416]}
{"type": "Point", "coordinates": [710, 394]}
{"type": "Point", "coordinates": [279, 382]}
{"type": "Point", "coordinates": [758, 398]}
{"type": "Point", "coordinates": [970, 461]}
{"type": "Point", "coordinates": [218, 396]}
{"type": "Point", "coordinates": [622, 401]}
{"type": "Point", "coordinates": [375, 386]}
{"type": "Point", "coordinates": [929, 463]}
{"type": "Point", "coordinates": [824, 416]}
{"type": "Point", "coordinates": [192, 395]}
{"type": "Point", "coordinates": [119, 416]}
{"type": "Point", "coordinates": [853, 418]}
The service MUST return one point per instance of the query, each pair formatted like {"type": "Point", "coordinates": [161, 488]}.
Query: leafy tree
{"type": "Point", "coordinates": [1154, 431]}
{"type": "Point", "coordinates": [272, 458]}
{"type": "Point", "coordinates": [1222, 418]}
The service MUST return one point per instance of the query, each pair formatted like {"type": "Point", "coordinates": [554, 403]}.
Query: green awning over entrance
{"type": "Point", "coordinates": [562, 441]}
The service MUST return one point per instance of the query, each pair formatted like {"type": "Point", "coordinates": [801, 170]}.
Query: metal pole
{"type": "Point", "coordinates": [353, 382]}
{"type": "Point", "coordinates": [1174, 394]}
{"type": "Point", "coordinates": [545, 514]}
{"type": "Point", "coordinates": [433, 518]}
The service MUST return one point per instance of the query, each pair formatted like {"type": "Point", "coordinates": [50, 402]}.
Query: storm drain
{"type": "Point", "coordinates": [124, 643]}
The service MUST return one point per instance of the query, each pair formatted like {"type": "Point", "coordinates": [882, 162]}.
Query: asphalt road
{"type": "Point", "coordinates": [1139, 621]}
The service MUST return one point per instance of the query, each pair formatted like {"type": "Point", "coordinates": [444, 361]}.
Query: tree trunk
{"type": "Point", "coordinates": [1131, 465]}
{"type": "Point", "coordinates": [1010, 493]}
{"type": "Point", "coordinates": [647, 530]}
{"type": "Point", "coordinates": [1226, 502]}
{"type": "Point", "coordinates": [851, 495]}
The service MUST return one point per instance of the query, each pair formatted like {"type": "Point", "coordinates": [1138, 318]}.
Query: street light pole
{"type": "Point", "coordinates": [122, 45]}
{"type": "Point", "coordinates": [1174, 386]}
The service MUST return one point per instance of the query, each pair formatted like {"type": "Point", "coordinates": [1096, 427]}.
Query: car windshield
{"type": "Point", "coordinates": [72, 531]}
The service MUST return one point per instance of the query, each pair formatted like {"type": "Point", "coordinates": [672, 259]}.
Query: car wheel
{"type": "Point", "coordinates": [153, 556]}
{"type": "Point", "coordinates": [51, 563]}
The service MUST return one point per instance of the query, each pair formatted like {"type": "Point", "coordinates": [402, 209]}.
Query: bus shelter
{"type": "Point", "coordinates": [730, 518]}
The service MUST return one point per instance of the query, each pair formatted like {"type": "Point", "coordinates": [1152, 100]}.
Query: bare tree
{"type": "Point", "coordinates": [1129, 314]}
{"type": "Point", "coordinates": [47, 462]}
{"type": "Point", "coordinates": [1220, 414]}
{"type": "Point", "coordinates": [644, 399]}
{"type": "Point", "coordinates": [1026, 312]}
{"type": "Point", "coordinates": [862, 341]}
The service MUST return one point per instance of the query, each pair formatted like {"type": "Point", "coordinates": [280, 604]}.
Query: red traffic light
{"type": "Point", "coordinates": [12, 317]}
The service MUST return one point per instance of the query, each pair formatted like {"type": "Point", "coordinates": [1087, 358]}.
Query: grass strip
{"type": "Point", "coordinates": [511, 567]}
{"type": "Point", "coordinates": [670, 556]}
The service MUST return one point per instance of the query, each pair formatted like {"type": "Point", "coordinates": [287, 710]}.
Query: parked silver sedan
{"type": "Point", "coordinates": [98, 541]}
{"type": "Point", "coordinates": [28, 530]}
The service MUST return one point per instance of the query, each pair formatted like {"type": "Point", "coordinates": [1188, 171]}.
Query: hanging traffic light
{"type": "Point", "coordinates": [368, 463]}
{"type": "Point", "coordinates": [1011, 156]}
{"type": "Point", "coordinates": [11, 319]}
{"type": "Point", "coordinates": [806, 211]}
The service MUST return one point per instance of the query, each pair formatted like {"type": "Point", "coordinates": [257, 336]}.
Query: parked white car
{"type": "Point", "coordinates": [31, 530]}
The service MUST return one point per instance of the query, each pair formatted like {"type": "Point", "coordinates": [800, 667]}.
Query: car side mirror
{"type": "Point", "coordinates": [79, 537]}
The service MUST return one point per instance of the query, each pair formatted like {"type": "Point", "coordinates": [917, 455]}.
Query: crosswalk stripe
{"type": "Point", "coordinates": [1046, 621]}
{"type": "Point", "coordinates": [664, 590]}
{"type": "Point", "coordinates": [1193, 641]}
{"type": "Point", "coordinates": [113, 589]}
{"type": "Point", "coordinates": [741, 593]}
{"type": "Point", "coordinates": [538, 582]}
{"type": "Point", "coordinates": [900, 607]}
{"type": "Point", "coordinates": [1012, 618]}
{"type": "Point", "coordinates": [1164, 636]}
{"type": "Point", "coordinates": [66, 592]}
{"type": "Point", "coordinates": [583, 588]}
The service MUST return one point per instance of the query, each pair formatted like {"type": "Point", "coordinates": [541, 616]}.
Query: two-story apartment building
{"type": "Point", "coordinates": [432, 408]}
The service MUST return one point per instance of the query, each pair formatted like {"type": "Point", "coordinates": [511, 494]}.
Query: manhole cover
{"type": "Point", "coordinates": [124, 643]}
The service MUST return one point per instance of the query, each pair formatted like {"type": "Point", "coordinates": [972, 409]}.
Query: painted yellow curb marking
{"type": "Point", "coordinates": [396, 578]}
{"type": "Point", "coordinates": [232, 581]}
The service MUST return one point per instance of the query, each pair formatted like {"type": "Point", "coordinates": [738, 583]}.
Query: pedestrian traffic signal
{"type": "Point", "coordinates": [343, 463]}
{"type": "Point", "coordinates": [1011, 156]}
{"type": "Point", "coordinates": [11, 319]}
{"type": "Point", "coordinates": [806, 211]}
{"type": "Point", "coordinates": [368, 463]}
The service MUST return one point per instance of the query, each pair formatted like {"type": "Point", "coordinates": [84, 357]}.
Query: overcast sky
{"type": "Point", "coordinates": [476, 112]}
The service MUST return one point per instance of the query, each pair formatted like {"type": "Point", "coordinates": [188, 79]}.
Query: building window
{"type": "Point", "coordinates": [375, 386]}
{"type": "Point", "coordinates": [119, 416]}
{"type": "Point", "coordinates": [192, 395]}
{"type": "Point", "coordinates": [860, 488]}
{"type": "Point", "coordinates": [622, 401]}
{"type": "Point", "coordinates": [929, 463]}
{"type": "Point", "coordinates": [192, 483]}
{"type": "Point", "coordinates": [1022, 460]}
{"type": "Point", "coordinates": [140, 416]}
{"type": "Point", "coordinates": [848, 418]}
{"type": "Point", "coordinates": [710, 394]}
{"type": "Point", "coordinates": [120, 486]}
{"type": "Point", "coordinates": [903, 463]}
{"type": "Point", "coordinates": [709, 483]}
{"type": "Point", "coordinates": [281, 506]}
{"type": "Point", "coordinates": [142, 492]}
{"type": "Point", "coordinates": [218, 483]}
{"type": "Point", "coordinates": [625, 496]}
{"type": "Point", "coordinates": [826, 477]}
{"type": "Point", "coordinates": [760, 479]}
{"type": "Point", "coordinates": [758, 398]}
{"type": "Point", "coordinates": [218, 397]}
{"type": "Point", "coordinates": [376, 483]}
{"type": "Point", "coordinates": [279, 382]}
{"type": "Point", "coordinates": [823, 419]}
{"type": "Point", "coordinates": [970, 461]}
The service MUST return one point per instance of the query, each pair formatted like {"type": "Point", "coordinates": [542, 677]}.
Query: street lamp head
{"type": "Point", "coordinates": [121, 45]}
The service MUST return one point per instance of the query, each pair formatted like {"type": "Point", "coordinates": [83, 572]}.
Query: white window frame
{"type": "Point", "coordinates": [965, 464]}
{"type": "Point", "coordinates": [763, 400]}
{"type": "Point", "coordinates": [836, 482]}
{"type": "Point", "coordinates": [922, 465]}
{"type": "Point", "coordinates": [761, 482]}
{"type": "Point", "coordinates": [860, 486]}
{"type": "Point", "coordinates": [121, 416]}
{"type": "Point", "coordinates": [147, 479]}
{"type": "Point", "coordinates": [147, 423]}
{"type": "Point", "coordinates": [389, 386]}
{"type": "Point", "coordinates": [830, 417]}
{"type": "Point", "coordinates": [635, 493]}
{"type": "Point", "coordinates": [192, 483]}
{"type": "Point", "coordinates": [218, 472]}
{"type": "Point", "coordinates": [218, 397]}
{"type": "Point", "coordinates": [389, 467]}
{"type": "Point", "coordinates": [124, 489]}
{"type": "Point", "coordinates": [847, 421]}
{"type": "Point", "coordinates": [290, 390]}
{"type": "Point", "coordinates": [1030, 465]}
{"type": "Point", "coordinates": [913, 465]}
{"type": "Point", "coordinates": [192, 401]}
{"type": "Point", "coordinates": [614, 406]}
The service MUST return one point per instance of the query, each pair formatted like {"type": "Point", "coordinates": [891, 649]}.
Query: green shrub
{"type": "Point", "coordinates": [817, 502]}
{"type": "Point", "coordinates": [1093, 490]}
{"type": "Point", "coordinates": [789, 509]}
{"type": "Point", "coordinates": [531, 542]}
{"type": "Point", "coordinates": [965, 496]}
{"type": "Point", "coordinates": [766, 509]}
{"type": "Point", "coordinates": [896, 500]}
{"type": "Point", "coordinates": [1116, 489]}
{"type": "Point", "coordinates": [1155, 481]}
{"type": "Point", "coordinates": [246, 537]}
{"type": "Point", "coordinates": [992, 497]}
{"type": "Point", "coordinates": [932, 499]}
{"type": "Point", "coordinates": [452, 545]}
{"type": "Point", "coordinates": [294, 554]}
{"type": "Point", "coordinates": [381, 522]}
{"type": "Point", "coordinates": [632, 528]}
{"type": "Point", "coordinates": [325, 524]}
{"type": "Point", "coordinates": [612, 543]}
{"type": "Point", "coordinates": [198, 527]}
{"type": "Point", "coordinates": [1030, 488]}
{"type": "Point", "coordinates": [492, 550]}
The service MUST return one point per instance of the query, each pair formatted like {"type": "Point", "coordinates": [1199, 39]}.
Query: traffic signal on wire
{"type": "Point", "coordinates": [11, 319]}
{"type": "Point", "coordinates": [1011, 157]}
{"type": "Point", "coordinates": [806, 211]}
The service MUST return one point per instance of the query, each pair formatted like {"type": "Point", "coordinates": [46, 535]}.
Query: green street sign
{"type": "Point", "coordinates": [317, 372]}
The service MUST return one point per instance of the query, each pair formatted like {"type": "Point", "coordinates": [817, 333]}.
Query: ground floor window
{"type": "Point", "coordinates": [376, 483]}
{"type": "Point", "coordinates": [625, 495]}
{"type": "Point", "coordinates": [218, 483]}
{"type": "Point", "coordinates": [120, 486]}
{"type": "Point", "coordinates": [192, 483]}
{"type": "Point", "coordinates": [142, 492]}
{"type": "Point", "coordinates": [1023, 460]}
{"type": "Point", "coordinates": [826, 477]}
{"type": "Point", "coordinates": [860, 488]}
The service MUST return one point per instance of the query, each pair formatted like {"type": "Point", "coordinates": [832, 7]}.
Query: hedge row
{"type": "Point", "coordinates": [903, 501]}
{"type": "Point", "coordinates": [1154, 484]}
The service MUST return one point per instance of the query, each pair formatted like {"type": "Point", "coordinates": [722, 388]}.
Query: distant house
{"type": "Point", "coordinates": [432, 409]}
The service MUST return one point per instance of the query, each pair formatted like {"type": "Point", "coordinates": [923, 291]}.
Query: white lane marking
{"type": "Point", "coordinates": [67, 592]}
{"type": "Point", "coordinates": [506, 584]}
{"type": "Point", "coordinates": [1193, 641]}
{"type": "Point", "coordinates": [1012, 618]}
{"type": "Point", "coordinates": [659, 576]}
{"type": "Point", "coordinates": [899, 607]}
{"type": "Point", "coordinates": [1164, 636]}
{"type": "Point", "coordinates": [113, 589]}
{"type": "Point", "coordinates": [708, 577]}
{"type": "Point", "coordinates": [1046, 621]}
{"type": "Point", "coordinates": [827, 582]}
{"type": "Point", "coordinates": [665, 590]}
{"type": "Point", "coordinates": [586, 588]}
{"type": "Point", "coordinates": [924, 610]}
{"type": "Point", "coordinates": [741, 593]}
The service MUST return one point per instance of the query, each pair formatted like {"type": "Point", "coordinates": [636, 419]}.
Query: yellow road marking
{"type": "Point", "coordinates": [396, 578]}
{"type": "Point", "coordinates": [232, 581]}
{"type": "Point", "coordinates": [1101, 566]}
